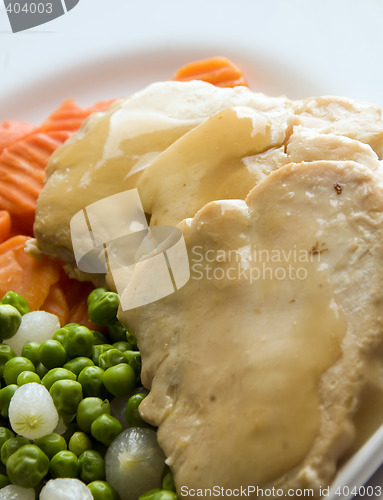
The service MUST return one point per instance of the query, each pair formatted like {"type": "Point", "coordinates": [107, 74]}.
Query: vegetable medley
{"type": "Point", "coordinates": [69, 420]}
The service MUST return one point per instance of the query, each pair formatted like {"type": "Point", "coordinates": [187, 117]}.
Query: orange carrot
{"type": "Point", "coordinates": [12, 131]}
{"type": "Point", "coordinates": [22, 164]}
{"type": "Point", "coordinates": [56, 303]}
{"type": "Point", "coordinates": [5, 225]}
{"type": "Point", "coordinates": [76, 293]}
{"type": "Point", "coordinates": [216, 70]}
{"type": "Point", "coordinates": [69, 116]}
{"type": "Point", "coordinates": [24, 274]}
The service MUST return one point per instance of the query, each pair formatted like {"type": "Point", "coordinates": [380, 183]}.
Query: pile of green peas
{"type": "Point", "coordinates": [83, 370]}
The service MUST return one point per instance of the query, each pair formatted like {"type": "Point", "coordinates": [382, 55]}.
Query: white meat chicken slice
{"type": "Point", "coordinates": [255, 367]}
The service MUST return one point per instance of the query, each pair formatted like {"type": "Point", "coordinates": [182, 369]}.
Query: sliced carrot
{"type": "Point", "coordinates": [76, 293]}
{"type": "Point", "coordinates": [11, 131]}
{"type": "Point", "coordinates": [56, 303]}
{"type": "Point", "coordinates": [24, 274]}
{"type": "Point", "coordinates": [5, 225]}
{"type": "Point", "coordinates": [216, 70]}
{"type": "Point", "coordinates": [22, 164]}
{"type": "Point", "coordinates": [69, 116]}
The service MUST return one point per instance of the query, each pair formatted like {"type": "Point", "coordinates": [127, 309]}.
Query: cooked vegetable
{"type": "Point", "coordinates": [101, 490]}
{"type": "Point", "coordinates": [133, 416]}
{"type": "Point", "coordinates": [102, 306]}
{"type": "Point", "coordinates": [76, 365]}
{"type": "Point", "coordinates": [64, 464]}
{"type": "Point", "coordinates": [27, 377]}
{"type": "Point", "coordinates": [105, 429]}
{"type": "Point", "coordinates": [6, 394]}
{"type": "Point", "coordinates": [89, 409]}
{"type": "Point", "coordinates": [78, 341]}
{"type": "Point", "coordinates": [27, 466]}
{"type": "Point", "coordinates": [56, 374]}
{"type": "Point", "coordinates": [16, 300]}
{"type": "Point", "coordinates": [92, 466]}
{"type": "Point", "coordinates": [52, 354]}
{"type": "Point", "coordinates": [10, 320]}
{"type": "Point", "coordinates": [51, 444]}
{"type": "Point", "coordinates": [14, 367]}
{"type": "Point", "coordinates": [36, 326]}
{"type": "Point", "coordinates": [79, 442]}
{"type": "Point", "coordinates": [13, 492]}
{"type": "Point", "coordinates": [6, 353]}
{"type": "Point", "coordinates": [91, 378]}
{"type": "Point", "coordinates": [65, 489]}
{"type": "Point", "coordinates": [32, 412]}
{"type": "Point", "coordinates": [158, 494]}
{"type": "Point", "coordinates": [134, 463]}
{"type": "Point", "coordinates": [216, 70]}
{"type": "Point", "coordinates": [120, 379]}
{"type": "Point", "coordinates": [66, 395]}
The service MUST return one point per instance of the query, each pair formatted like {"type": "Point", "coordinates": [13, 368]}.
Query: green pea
{"type": "Point", "coordinates": [12, 445]}
{"type": "Point", "coordinates": [131, 338]}
{"type": "Point", "coordinates": [27, 377]}
{"type": "Point", "coordinates": [31, 351]}
{"type": "Point", "coordinates": [76, 365]}
{"type": "Point", "coordinates": [66, 395]}
{"type": "Point", "coordinates": [79, 442]}
{"type": "Point", "coordinates": [133, 416]}
{"type": "Point", "coordinates": [92, 466]}
{"type": "Point", "coordinates": [57, 374]}
{"type": "Point", "coordinates": [51, 444]}
{"type": "Point", "coordinates": [27, 466]}
{"type": "Point", "coordinates": [64, 464]}
{"type": "Point", "coordinates": [110, 358]}
{"type": "Point", "coordinates": [15, 366]}
{"type": "Point", "coordinates": [5, 434]}
{"type": "Point", "coordinates": [78, 341]}
{"type": "Point", "coordinates": [97, 350]}
{"type": "Point", "coordinates": [16, 300]}
{"type": "Point", "coordinates": [70, 430]}
{"type": "Point", "coordinates": [99, 338]}
{"type": "Point", "coordinates": [91, 379]}
{"type": "Point", "coordinates": [168, 480]}
{"type": "Point", "coordinates": [117, 332]}
{"type": "Point", "coordinates": [6, 353]}
{"type": "Point", "coordinates": [158, 494]}
{"type": "Point", "coordinates": [6, 394]}
{"type": "Point", "coordinates": [4, 481]}
{"type": "Point", "coordinates": [89, 409]}
{"type": "Point", "coordinates": [10, 320]}
{"type": "Point", "coordinates": [61, 332]}
{"type": "Point", "coordinates": [120, 380]}
{"type": "Point", "coordinates": [122, 345]}
{"type": "Point", "coordinates": [102, 490]}
{"type": "Point", "coordinates": [105, 429]}
{"type": "Point", "coordinates": [103, 306]}
{"type": "Point", "coordinates": [52, 354]}
{"type": "Point", "coordinates": [41, 370]}
{"type": "Point", "coordinates": [134, 360]}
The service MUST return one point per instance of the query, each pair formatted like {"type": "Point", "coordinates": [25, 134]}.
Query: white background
{"type": "Point", "coordinates": [108, 48]}
{"type": "Point", "coordinates": [104, 48]}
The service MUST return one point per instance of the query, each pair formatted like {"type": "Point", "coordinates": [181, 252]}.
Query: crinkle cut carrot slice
{"type": "Point", "coordinates": [69, 116]}
{"type": "Point", "coordinates": [5, 225]}
{"type": "Point", "coordinates": [56, 303]}
{"type": "Point", "coordinates": [218, 71]}
{"type": "Point", "coordinates": [21, 272]}
{"type": "Point", "coordinates": [11, 131]}
{"type": "Point", "coordinates": [23, 163]}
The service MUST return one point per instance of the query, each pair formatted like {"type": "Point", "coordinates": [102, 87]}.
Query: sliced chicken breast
{"type": "Point", "coordinates": [257, 365]}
